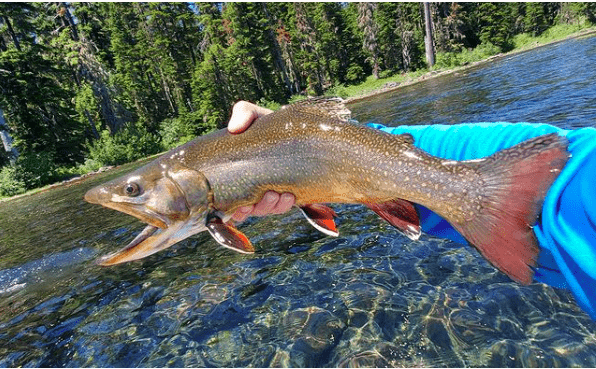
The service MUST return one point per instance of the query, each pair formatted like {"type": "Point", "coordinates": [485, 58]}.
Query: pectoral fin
{"type": "Point", "coordinates": [321, 217]}
{"type": "Point", "coordinates": [401, 214]}
{"type": "Point", "coordinates": [228, 236]}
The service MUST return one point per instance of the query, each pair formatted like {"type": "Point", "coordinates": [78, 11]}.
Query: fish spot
{"type": "Point", "coordinates": [325, 127]}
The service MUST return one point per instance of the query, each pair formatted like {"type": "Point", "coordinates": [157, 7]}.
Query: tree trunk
{"type": "Point", "coordinates": [276, 51]}
{"type": "Point", "coordinates": [91, 125]}
{"type": "Point", "coordinates": [7, 140]}
{"type": "Point", "coordinates": [13, 35]}
{"type": "Point", "coordinates": [71, 24]}
{"type": "Point", "coordinates": [428, 38]}
{"type": "Point", "coordinates": [369, 27]}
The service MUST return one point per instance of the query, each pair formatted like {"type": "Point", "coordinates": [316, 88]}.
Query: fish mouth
{"type": "Point", "coordinates": [151, 240]}
{"type": "Point", "coordinates": [131, 251]}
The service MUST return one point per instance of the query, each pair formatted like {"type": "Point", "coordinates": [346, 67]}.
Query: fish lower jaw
{"type": "Point", "coordinates": [152, 240]}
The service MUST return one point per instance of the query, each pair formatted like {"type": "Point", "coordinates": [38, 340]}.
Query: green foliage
{"type": "Point", "coordinates": [372, 84]}
{"type": "Point", "coordinates": [535, 18]}
{"type": "Point", "coordinates": [456, 59]}
{"type": "Point", "coordinates": [556, 32]}
{"type": "Point", "coordinates": [296, 98]}
{"type": "Point", "coordinates": [88, 166]}
{"type": "Point", "coordinates": [37, 106]}
{"type": "Point", "coordinates": [273, 105]}
{"type": "Point", "coordinates": [497, 24]}
{"type": "Point", "coordinates": [30, 171]}
{"type": "Point", "coordinates": [177, 131]}
{"type": "Point", "coordinates": [355, 74]}
{"type": "Point", "coordinates": [338, 90]}
{"type": "Point", "coordinates": [10, 184]}
{"type": "Point", "coordinates": [88, 84]}
{"type": "Point", "coordinates": [36, 168]}
{"type": "Point", "coordinates": [129, 144]}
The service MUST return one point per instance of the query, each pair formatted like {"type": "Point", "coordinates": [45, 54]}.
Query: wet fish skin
{"type": "Point", "coordinates": [493, 202]}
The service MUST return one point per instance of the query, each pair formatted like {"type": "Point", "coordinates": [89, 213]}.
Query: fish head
{"type": "Point", "coordinates": [172, 200]}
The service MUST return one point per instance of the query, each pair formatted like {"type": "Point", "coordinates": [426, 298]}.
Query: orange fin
{"type": "Point", "coordinates": [401, 214]}
{"type": "Point", "coordinates": [516, 181]}
{"type": "Point", "coordinates": [321, 217]}
{"type": "Point", "coordinates": [228, 236]}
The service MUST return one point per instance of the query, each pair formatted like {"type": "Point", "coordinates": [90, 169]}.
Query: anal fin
{"type": "Point", "coordinates": [320, 217]}
{"type": "Point", "coordinates": [228, 236]}
{"type": "Point", "coordinates": [401, 214]}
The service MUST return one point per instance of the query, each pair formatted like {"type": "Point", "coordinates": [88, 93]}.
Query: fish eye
{"type": "Point", "coordinates": [132, 189]}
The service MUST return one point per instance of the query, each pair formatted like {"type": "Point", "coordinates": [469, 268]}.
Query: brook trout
{"type": "Point", "coordinates": [493, 202]}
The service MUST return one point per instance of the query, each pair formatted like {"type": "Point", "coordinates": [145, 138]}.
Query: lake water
{"type": "Point", "coordinates": [370, 297]}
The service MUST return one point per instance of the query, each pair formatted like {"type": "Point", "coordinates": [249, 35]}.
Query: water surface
{"type": "Point", "coordinates": [555, 84]}
{"type": "Point", "coordinates": [370, 297]}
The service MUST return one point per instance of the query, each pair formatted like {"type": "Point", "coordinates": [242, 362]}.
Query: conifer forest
{"type": "Point", "coordinates": [83, 85]}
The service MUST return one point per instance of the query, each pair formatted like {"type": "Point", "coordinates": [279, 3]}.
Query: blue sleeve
{"type": "Point", "coordinates": [566, 230]}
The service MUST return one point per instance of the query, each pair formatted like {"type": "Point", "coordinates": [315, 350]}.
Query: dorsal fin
{"type": "Point", "coordinates": [334, 107]}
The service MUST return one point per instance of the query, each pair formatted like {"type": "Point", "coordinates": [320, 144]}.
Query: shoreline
{"type": "Point", "coordinates": [390, 86]}
{"type": "Point", "coordinates": [394, 86]}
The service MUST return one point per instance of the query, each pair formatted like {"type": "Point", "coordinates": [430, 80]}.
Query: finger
{"type": "Point", "coordinates": [243, 114]}
{"type": "Point", "coordinates": [242, 213]}
{"type": "Point", "coordinates": [266, 204]}
{"type": "Point", "coordinates": [284, 204]}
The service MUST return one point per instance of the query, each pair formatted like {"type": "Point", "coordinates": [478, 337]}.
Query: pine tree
{"type": "Point", "coordinates": [409, 27]}
{"type": "Point", "coordinates": [370, 31]}
{"type": "Point", "coordinates": [496, 24]}
{"type": "Point", "coordinates": [210, 86]}
{"type": "Point", "coordinates": [449, 26]}
{"type": "Point", "coordinates": [359, 66]}
{"type": "Point", "coordinates": [307, 56]}
{"type": "Point", "coordinates": [535, 19]}
{"type": "Point", "coordinates": [282, 21]}
{"type": "Point", "coordinates": [35, 93]}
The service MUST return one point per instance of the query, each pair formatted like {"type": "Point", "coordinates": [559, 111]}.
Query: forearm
{"type": "Point", "coordinates": [470, 141]}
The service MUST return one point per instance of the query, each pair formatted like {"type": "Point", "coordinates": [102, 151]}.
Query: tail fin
{"type": "Point", "coordinates": [516, 182]}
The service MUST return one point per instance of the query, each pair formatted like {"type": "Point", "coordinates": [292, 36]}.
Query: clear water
{"type": "Point", "coordinates": [370, 297]}
{"type": "Point", "coordinates": [554, 84]}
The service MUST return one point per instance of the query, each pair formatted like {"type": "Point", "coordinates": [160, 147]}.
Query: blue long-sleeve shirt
{"type": "Point", "coordinates": [566, 229]}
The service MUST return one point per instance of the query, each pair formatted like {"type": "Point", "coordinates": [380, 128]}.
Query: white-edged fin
{"type": "Point", "coordinates": [412, 232]}
{"type": "Point", "coordinates": [228, 236]}
{"type": "Point", "coordinates": [320, 217]}
{"type": "Point", "coordinates": [401, 214]}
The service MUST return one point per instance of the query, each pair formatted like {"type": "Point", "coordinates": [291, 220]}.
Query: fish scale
{"type": "Point", "coordinates": [307, 151]}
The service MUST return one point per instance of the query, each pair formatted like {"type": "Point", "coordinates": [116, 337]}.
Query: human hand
{"type": "Point", "coordinates": [243, 114]}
